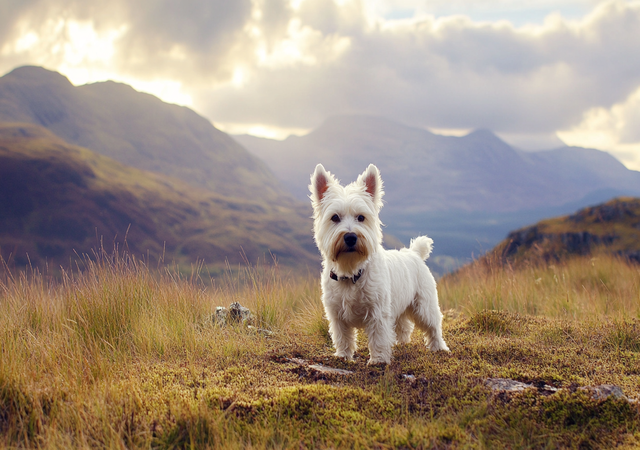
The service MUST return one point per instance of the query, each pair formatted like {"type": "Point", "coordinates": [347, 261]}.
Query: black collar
{"type": "Point", "coordinates": [355, 278]}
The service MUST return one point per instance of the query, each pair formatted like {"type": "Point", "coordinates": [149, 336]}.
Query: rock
{"type": "Point", "coordinates": [234, 315]}
{"type": "Point", "coordinates": [599, 392]}
{"type": "Point", "coordinates": [220, 317]}
{"type": "Point", "coordinates": [631, 255]}
{"type": "Point", "coordinates": [326, 369]}
{"type": "Point", "coordinates": [238, 313]}
{"type": "Point", "coordinates": [608, 212]}
{"type": "Point", "coordinates": [319, 367]}
{"type": "Point", "coordinates": [507, 385]}
{"type": "Point", "coordinates": [604, 391]}
{"type": "Point", "coordinates": [298, 361]}
{"type": "Point", "coordinates": [573, 242]}
{"type": "Point", "coordinates": [582, 243]}
{"type": "Point", "coordinates": [261, 331]}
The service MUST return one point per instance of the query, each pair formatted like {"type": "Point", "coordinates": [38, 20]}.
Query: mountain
{"type": "Point", "coordinates": [465, 192]}
{"type": "Point", "coordinates": [612, 227]}
{"type": "Point", "coordinates": [423, 171]}
{"type": "Point", "coordinates": [58, 199]}
{"type": "Point", "coordinates": [138, 130]}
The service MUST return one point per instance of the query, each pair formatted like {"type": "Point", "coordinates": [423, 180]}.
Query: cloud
{"type": "Point", "coordinates": [616, 129]}
{"type": "Point", "coordinates": [455, 73]}
{"type": "Point", "coordinates": [187, 40]}
{"type": "Point", "coordinates": [280, 64]}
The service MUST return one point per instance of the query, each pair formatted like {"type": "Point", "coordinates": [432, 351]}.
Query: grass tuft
{"type": "Point", "coordinates": [496, 322]}
{"type": "Point", "coordinates": [623, 335]}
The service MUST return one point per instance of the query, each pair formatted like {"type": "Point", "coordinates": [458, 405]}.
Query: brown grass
{"type": "Point", "coordinates": [122, 356]}
{"type": "Point", "coordinates": [582, 288]}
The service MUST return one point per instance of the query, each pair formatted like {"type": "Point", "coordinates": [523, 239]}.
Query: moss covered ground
{"type": "Point", "coordinates": [121, 356]}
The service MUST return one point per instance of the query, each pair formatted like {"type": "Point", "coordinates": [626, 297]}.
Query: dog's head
{"type": "Point", "coordinates": [346, 226]}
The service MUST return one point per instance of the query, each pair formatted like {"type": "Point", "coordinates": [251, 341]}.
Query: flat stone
{"type": "Point", "coordinates": [298, 361]}
{"type": "Point", "coordinates": [599, 392]}
{"type": "Point", "coordinates": [604, 391]}
{"type": "Point", "coordinates": [507, 385]}
{"type": "Point", "coordinates": [319, 367]}
{"type": "Point", "coordinates": [326, 369]}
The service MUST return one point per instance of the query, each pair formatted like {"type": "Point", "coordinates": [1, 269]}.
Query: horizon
{"type": "Point", "coordinates": [534, 73]}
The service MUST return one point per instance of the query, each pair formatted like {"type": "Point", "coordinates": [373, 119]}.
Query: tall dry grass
{"type": "Point", "coordinates": [582, 288]}
{"type": "Point", "coordinates": [118, 308]}
{"type": "Point", "coordinates": [121, 355]}
{"type": "Point", "coordinates": [73, 345]}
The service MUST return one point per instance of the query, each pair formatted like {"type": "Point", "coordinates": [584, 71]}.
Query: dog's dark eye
{"type": "Point", "coordinates": [360, 218]}
{"type": "Point", "coordinates": [335, 218]}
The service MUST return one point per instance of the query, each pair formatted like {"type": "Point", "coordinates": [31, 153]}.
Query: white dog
{"type": "Point", "coordinates": [385, 292]}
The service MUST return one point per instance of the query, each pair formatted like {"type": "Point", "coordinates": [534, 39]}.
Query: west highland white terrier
{"type": "Point", "coordinates": [385, 292]}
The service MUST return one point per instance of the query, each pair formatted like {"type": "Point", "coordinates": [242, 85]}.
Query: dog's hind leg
{"type": "Point", "coordinates": [428, 318]}
{"type": "Point", "coordinates": [404, 328]}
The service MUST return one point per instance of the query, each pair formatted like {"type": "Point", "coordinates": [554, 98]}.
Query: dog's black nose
{"type": "Point", "coordinates": [350, 239]}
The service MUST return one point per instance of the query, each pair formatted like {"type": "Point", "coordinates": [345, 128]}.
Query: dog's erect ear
{"type": "Point", "coordinates": [320, 182]}
{"type": "Point", "coordinates": [372, 183]}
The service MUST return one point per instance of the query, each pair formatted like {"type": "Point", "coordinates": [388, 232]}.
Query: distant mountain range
{"type": "Point", "coordinates": [115, 159]}
{"type": "Point", "coordinates": [138, 130]}
{"type": "Point", "coordinates": [423, 171]}
{"type": "Point", "coordinates": [466, 192]}
{"type": "Point", "coordinates": [58, 201]}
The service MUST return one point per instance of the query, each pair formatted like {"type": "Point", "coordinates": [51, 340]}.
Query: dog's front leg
{"type": "Point", "coordinates": [344, 339]}
{"type": "Point", "coordinates": [381, 339]}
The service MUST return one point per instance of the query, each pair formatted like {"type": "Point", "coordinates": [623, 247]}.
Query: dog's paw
{"type": "Point", "coordinates": [347, 356]}
{"type": "Point", "coordinates": [438, 346]}
{"type": "Point", "coordinates": [377, 361]}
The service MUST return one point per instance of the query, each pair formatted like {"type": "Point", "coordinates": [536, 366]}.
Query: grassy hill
{"type": "Point", "coordinates": [612, 227]}
{"type": "Point", "coordinates": [57, 200]}
{"type": "Point", "coordinates": [138, 130]}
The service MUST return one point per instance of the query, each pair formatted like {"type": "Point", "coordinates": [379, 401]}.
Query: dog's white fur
{"type": "Point", "coordinates": [395, 289]}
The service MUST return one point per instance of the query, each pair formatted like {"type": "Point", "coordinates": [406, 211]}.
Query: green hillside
{"type": "Point", "coordinates": [139, 130]}
{"type": "Point", "coordinates": [57, 199]}
{"type": "Point", "coordinates": [612, 228]}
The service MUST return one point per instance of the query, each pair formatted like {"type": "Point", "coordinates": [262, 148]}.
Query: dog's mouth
{"type": "Point", "coordinates": [349, 251]}
{"type": "Point", "coordinates": [341, 248]}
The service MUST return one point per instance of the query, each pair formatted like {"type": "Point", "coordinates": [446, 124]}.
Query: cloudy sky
{"type": "Point", "coordinates": [535, 72]}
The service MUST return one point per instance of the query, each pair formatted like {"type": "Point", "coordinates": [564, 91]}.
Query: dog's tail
{"type": "Point", "coordinates": [422, 245]}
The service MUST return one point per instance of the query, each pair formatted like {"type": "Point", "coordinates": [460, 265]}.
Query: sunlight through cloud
{"type": "Point", "coordinates": [524, 69]}
{"type": "Point", "coordinates": [613, 129]}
